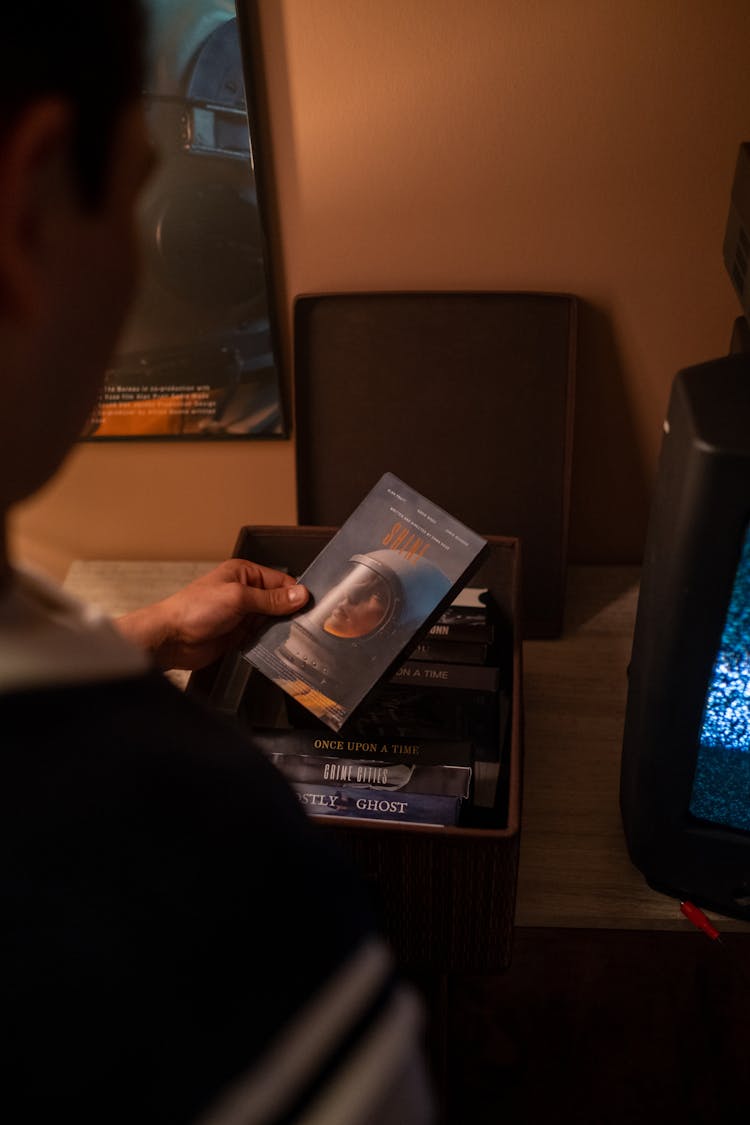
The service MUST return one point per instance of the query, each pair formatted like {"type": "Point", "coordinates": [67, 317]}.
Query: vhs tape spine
{"type": "Point", "coordinates": [450, 652]}
{"type": "Point", "coordinates": [469, 677]}
{"type": "Point", "coordinates": [446, 781]}
{"type": "Point", "coordinates": [412, 751]}
{"type": "Point", "coordinates": [461, 629]}
{"type": "Point", "coordinates": [364, 804]}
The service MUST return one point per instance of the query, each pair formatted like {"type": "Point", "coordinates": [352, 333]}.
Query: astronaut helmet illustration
{"type": "Point", "coordinates": [381, 595]}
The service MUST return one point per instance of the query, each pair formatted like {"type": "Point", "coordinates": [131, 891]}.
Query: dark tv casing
{"type": "Point", "coordinates": [736, 247]}
{"type": "Point", "coordinates": [698, 520]}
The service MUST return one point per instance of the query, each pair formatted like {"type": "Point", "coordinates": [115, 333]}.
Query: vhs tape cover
{"type": "Point", "coordinates": [385, 576]}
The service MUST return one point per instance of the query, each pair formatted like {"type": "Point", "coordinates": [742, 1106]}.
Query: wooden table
{"type": "Point", "coordinates": [574, 869]}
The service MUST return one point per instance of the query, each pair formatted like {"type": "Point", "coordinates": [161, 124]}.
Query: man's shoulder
{"type": "Point", "coordinates": [166, 868]}
{"type": "Point", "coordinates": [140, 714]}
{"type": "Point", "coordinates": [138, 743]}
{"type": "Point", "coordinates": [132, 785]}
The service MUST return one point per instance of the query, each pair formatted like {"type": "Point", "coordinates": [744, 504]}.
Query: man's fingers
{"type": "Point", "coordinates": [255, 575]}
{"type": "Point", "coordinates": [279, 601]}
{"type": "Point", "coordinates": [268, 603]}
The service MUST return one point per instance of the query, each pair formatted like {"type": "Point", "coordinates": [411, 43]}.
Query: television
{"type": "Point", "coordinates": [685, 773]}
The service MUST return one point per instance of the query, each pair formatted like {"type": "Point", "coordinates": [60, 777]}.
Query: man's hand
{"type": "Point", "coordinates": [211, 615]}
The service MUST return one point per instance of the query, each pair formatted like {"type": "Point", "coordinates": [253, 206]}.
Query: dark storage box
{"type": "Point", "coordinates": [446, 896]}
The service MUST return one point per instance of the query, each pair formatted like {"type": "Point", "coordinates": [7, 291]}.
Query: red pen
{"type": "Point", "coordinates": [699, 920]}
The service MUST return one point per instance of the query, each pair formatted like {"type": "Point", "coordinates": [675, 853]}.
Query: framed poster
{"type": "Point", "coordinates": [198, 356]}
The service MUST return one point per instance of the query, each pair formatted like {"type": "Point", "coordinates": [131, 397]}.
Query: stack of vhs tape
{"type": "Point", "coordinates": [423, 747]}
{"type": "Point", "coordinates": [446, 894]}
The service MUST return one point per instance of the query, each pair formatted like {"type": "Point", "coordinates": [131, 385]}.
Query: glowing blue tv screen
{"type": "Point", "coordinates": [721, 784]}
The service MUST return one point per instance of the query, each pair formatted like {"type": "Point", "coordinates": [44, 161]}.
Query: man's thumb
{"type": "Point", "coordinates": [286, 599]}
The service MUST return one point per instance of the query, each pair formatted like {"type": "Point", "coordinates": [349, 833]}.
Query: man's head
{"type": "Point", "coordinates": [90, 54]}
{"type": "Point", "coordinates": [73, 155]}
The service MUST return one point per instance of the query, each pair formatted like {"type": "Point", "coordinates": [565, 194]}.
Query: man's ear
{"type": "Point", "coordinates": [35, 189]}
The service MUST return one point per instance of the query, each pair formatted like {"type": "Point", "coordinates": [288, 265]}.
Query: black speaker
{"type": "Point", "coordinates": [685, 779]}
{"type": "Point", "coordinates": [467, 396]}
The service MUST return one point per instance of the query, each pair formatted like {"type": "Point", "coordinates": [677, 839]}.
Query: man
{"type": "Point", "coordinates": [178, 943]}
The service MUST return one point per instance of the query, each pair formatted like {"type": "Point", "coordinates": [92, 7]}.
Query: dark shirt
{"type": "Point", "coordinates": [167, 909]}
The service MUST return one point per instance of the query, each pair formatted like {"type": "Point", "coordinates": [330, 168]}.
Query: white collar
{"type": "Point", "coordinates": [48, 638]}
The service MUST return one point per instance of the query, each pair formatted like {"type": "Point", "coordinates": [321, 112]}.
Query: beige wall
{"type": "Point", "coordinates": [571, 145]}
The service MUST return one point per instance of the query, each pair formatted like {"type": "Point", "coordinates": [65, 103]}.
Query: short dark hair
{"type": "Point", "coordinates": [91, 53]}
